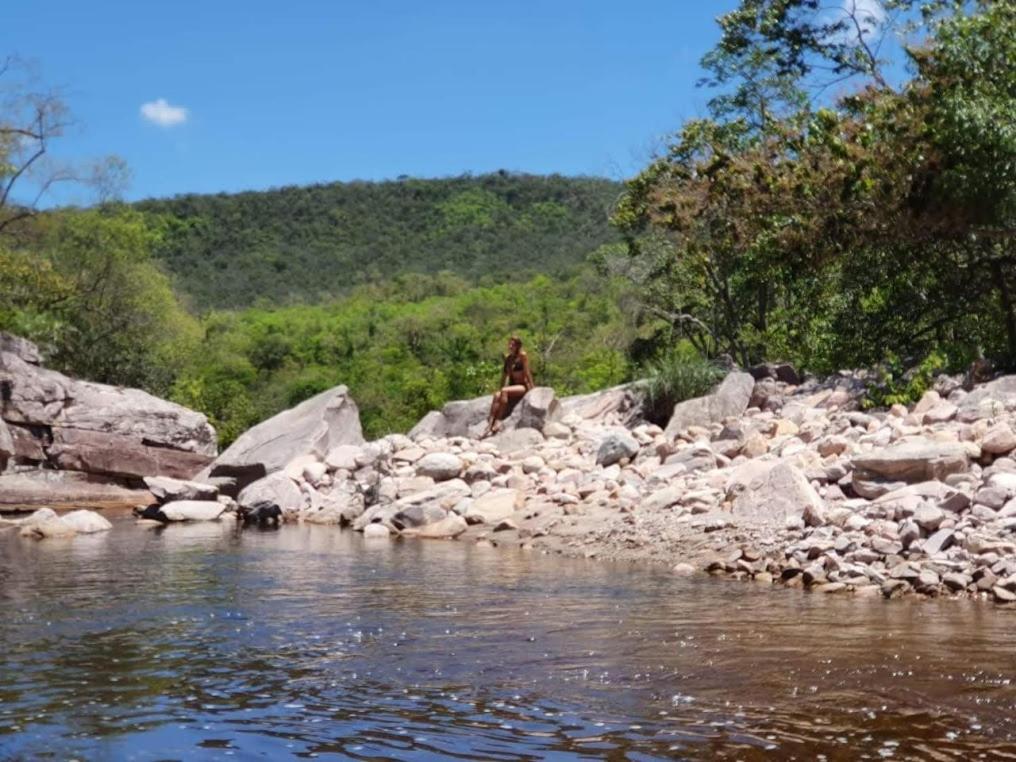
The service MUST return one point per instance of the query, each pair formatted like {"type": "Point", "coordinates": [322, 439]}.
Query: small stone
{"type": "Point", "coordinates": [928, 517]}
{"type": "Point", "coordinates": [376, 531]}
{"type": "Point", "coordinates": [439, 466]}
{"type": "Point", "coordinates": [938, 541]}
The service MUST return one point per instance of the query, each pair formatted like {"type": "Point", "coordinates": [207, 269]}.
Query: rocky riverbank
{"type": "Point", "coordinates": [765, 479]}
{"type": "Point", "coordinates": [768, 479]}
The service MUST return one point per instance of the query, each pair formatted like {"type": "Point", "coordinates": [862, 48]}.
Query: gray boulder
{"type": "Point", "coordinates": [989, 400]}
{"type": "Point", "coordinates": [493, 506]}
{"type": "Point", "coordinates": [769, 493]}
{"type": "Point", "coordinates": [459, 418]}
{"type": "Point", "coordinates": [315, 426]}
{"type": "Point", "coordinates": [22, 348]}
{"type": "Point", "coordinates": [64, 423]}
{"type": "Point", "coordinates": [468, 418]}
{"type": "Point", "coordinates": [6, 445]}
{"type": "Point", "coordinates": [439, 466]}
{"type": "Point", "coordinates": [515, 440]}
{"type": "Point", "coordinates": [615, 446]}
{"type": "Point", "coordinates": [729, 400]}
{"type": "Point", "coordinates": [624, 402]}
{"type": "Point", "coordinates": [534, 411]}
{"type": "Point", "coordinates": [275, 489]}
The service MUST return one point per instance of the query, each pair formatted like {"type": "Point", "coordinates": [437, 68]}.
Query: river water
{"type": "Point", "coordinates": [198, 642]}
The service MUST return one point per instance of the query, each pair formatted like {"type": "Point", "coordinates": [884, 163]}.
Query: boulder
{"type": "Point", "coordinates": [535, 410]}
{"type": "Point", "coordinates": [771, 492]}
{"type": "Point", "coordinates": [315, 426]}
{"type": "Point", "coordinates": [447, 528]}
{"type": "Point", "coordinates": [663, 498]}
{"type": "Point", "coordinates": [460, 418]}
{"type": "Point", "coordinates": [912, 462]}
{"type": "Point", "coordinates": [729, 400]}
{"type": "Point", "coordinates": [989, 400]}
{"type": "Point", "coordinates": [418, 515]}
{"type": "Point", "coordinates": [166, 489]}
{"type": "Point", "coordinates": [443, 495]}
{"type": "Point", "coordinates": [439, 466]}
{"type": "Point", "coordinates": [615, 446]}
{"type": "Point", "coordinates": [22, 348]}
{"type": "Point", "coordinates": [493, 506]}
{"type": "Point", "coordinates": [6, 445]}
{"type": "Point", "coordinates": [70, 424]}
{"type": "Point", "coordinates": [999, 440]}
{"type": "Point", "coordinates": [193, 510]}
{"type": "Point", "coordinates": [345, 456]}
{"type": "Point", "coordinates": [275, 489]}
{"type": "Point", "coordinates": [48, 528]}
{"type": "Point", "coordinates": [86, 522]}
{"type": "Point", "coordinates": [623, 402]}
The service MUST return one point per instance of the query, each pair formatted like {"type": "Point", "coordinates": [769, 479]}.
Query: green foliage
{"type": "Point", "coordinates": [904, 386]}
{"type": "Point", "coordinates": [677, 374]}
{"type": "Point", "coordinates": [85, 287]}
{"type": "Point", "coordinates": [838, 235]}
{"type": "Point", "coordinates": [314, 243]}
{"type": "Point", "coordinates": [403, 352]}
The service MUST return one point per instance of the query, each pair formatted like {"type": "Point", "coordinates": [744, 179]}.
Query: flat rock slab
{"type": "Point", "coordinates": [166, 489]}
{"type": "Point", "coordinates": [68, 489]}
{"type": "Point", "coordinates": [914, 461]}
{"type": "Point", "coordinates": [193, 510]}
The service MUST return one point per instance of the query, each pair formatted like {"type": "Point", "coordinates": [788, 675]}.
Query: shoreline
{"type": "Point", "coordinates": [781, 483]}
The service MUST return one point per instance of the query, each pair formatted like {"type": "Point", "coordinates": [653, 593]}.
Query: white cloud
{"type": "Point", "coordinates": [870, 14]}
{"type": "Point", "coordinates": [160, 112]}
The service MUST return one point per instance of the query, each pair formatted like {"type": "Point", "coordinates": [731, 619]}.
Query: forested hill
{"type": "Point", "coordinates": [307, 243]}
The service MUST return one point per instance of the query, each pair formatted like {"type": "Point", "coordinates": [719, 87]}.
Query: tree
{"type": "Point", "coordinates": [877, 224]}
{"type": "Point", "coordinates": [32, 117]}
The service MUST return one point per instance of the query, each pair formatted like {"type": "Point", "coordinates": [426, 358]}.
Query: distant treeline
{"type": "Point", "coordinates": [300, 244]}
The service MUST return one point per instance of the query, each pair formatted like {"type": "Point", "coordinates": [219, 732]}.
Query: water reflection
{"type": "Point", "coordinates": [201, 642]}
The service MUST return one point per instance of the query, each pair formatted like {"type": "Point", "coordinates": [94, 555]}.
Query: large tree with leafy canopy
{"type": "Point", "coordinates": [839, 230]}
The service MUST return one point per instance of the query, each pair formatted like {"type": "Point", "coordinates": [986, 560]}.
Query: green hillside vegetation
{"type": "Point", "coordinates": [405, 347]}
{"type": "Point", "coordinates": [874, 229]}
{"type": "Point", "coordinates": [306, 244]}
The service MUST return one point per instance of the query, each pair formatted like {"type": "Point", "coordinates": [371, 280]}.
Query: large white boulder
{"type": "Point", "coordinates": [193, 510]}
{"type": "Point", "coordinates": [314, 427]}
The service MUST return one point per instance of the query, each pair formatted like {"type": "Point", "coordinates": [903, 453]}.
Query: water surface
{"type": "Point", "coordinates": [196, 642]}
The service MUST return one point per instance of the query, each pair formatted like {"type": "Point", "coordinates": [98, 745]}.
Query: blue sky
{"type": "Point", "coordinates": [299, 92]}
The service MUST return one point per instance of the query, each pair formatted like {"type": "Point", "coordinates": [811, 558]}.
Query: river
{"type": "Point", "coordinates": [199, 642]}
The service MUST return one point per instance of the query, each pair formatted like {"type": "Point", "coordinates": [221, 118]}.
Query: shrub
{"type": "Point", "coordinates": [675, 375]}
